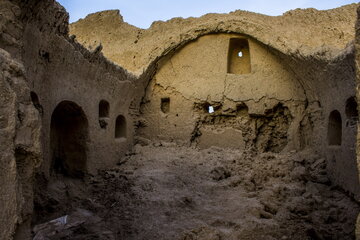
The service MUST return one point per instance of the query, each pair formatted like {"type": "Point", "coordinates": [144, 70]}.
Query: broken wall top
{"type": "Point", "coordinates": [301, 33]}
{"type": "Point", "coordinates": [49, 17]}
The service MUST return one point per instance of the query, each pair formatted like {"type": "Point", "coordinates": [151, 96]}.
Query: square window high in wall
{"type": "Point", "coordinates": [239, 56]}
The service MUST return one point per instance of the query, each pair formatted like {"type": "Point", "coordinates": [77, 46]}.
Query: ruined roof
{"type": "Point", "coordinates": [300, 32]}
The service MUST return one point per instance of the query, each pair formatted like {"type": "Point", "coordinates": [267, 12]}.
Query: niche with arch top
{"type": "Point", "coordinates": [120, 127]}
{"type": "Point", "coordinates": [68, 139]}
{"type": "Point", "coordinates": [239, 56]}
{"type": "Point", "coordinates": [334, 129]}
{"type": "Point", "coordinates": [351, 111]}
{"type": "Point", "coordinates": [242, 109]}
{"type": "Point", "coordinates": [104, 109]}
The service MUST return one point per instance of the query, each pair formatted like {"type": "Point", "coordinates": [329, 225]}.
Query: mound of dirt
{"type": "Point", "coordinates": [172, 192]}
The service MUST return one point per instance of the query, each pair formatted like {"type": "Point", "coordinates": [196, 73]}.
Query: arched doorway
{"type": "Point", "coordinates": [68, 138]}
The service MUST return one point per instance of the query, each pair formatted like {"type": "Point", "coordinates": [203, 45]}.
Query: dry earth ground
{"type": "Point", "coordinates": [164, 191]}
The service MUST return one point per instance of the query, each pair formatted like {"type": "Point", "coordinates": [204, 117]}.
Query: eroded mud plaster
{"type": "Point", "coordinates": [319, 59]}
{"type": "Point", "coordinates": [42, 67]}
{"type": "Point", "coordinates": [241, 80]}
{"type": "Point", "coordinates": [261, 109]}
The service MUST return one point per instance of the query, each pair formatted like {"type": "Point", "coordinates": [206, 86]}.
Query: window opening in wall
{"type": "Point", "coordinates": [239, 56]}
{"type": "Point", "coordinates": [351, 112]}
{"type": "Point", "coordinates": [334, 128]}
{"type": "Point", "coordinates": [211, 109]}
{"type": "Point", "coordinates": [104, 109]}
{"type": "Point", "coordinates": [120, 127]}
{"type": "Point", "coordinates": [165, 105]}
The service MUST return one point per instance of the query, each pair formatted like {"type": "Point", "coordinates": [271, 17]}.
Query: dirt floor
{"type": "Point", "coordinates": [164, 191]}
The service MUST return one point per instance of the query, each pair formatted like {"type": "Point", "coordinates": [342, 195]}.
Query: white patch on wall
{"type": "Point", "coordinates": [211, 109]}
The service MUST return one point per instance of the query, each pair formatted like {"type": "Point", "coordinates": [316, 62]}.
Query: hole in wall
{"type": "Point", "coordinates": [45, 55]}
{"type": "Point", "coordinates": [351, 111]}
{"type": "Point", "coordinates": [104, 109]}
{"type": "Point", "coordinates": [68, 137]}
{"type": "Point", "coordinates": [165, 105]}
{"type": "Point", "coordinates": [120, 127]}
{"type": "Point", "coordinates": [242, 108]}
{"type": "Point", "coordinates": [210, 109]}
{"type": "Point", "coordinates": [334, 129]}
{"type": "Point", "coordinates": [206, 107]}
{"type": "Point", "coordinates": [239, 56]}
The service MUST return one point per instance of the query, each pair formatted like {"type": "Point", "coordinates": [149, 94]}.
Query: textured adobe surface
{"type": "Point", "coordinates": [329, 33]}
{"type": "Point", "coordinates": [227, 126]}
{"type": "Point", "coordinates": [40, 63]}
{"type": "Point", "coordinates": [299, 61]}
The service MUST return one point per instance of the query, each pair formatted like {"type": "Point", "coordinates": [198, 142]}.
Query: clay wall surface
{"type": "Point", "coordinates": [41, 67]}
{"type": "Point", "coordinates": [357, 68]}
{"type": "Point", "coordinates": [288, 91]}
{"type": "Point", "coordinates": [60, 69]}
{"type": "Point", "coordinates": [341, 155]}
{"type": "Point", "coordinates": [20, 129]}
{"type": "Point", "coordinates": [306, 57]}
{"type": "Point", "coordinates": [300, 32]}
{"type": "Point", "coordinates": [333, 83]}
{"type": "Point", "coordinates": [357, 64]}
{"type": "Point", "coordinates": [197, 77]}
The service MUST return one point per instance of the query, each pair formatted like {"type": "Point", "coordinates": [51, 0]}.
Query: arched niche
{"type": "Point", "coordinates": [351, 110]}
{"type": "Point", "coordinates": [104, 112]}
{"type": "Point", "coordinates": [104, 109]}
{"type": "Point", "coordinates": [120, 127]}
{"type": "Point", "coordinates": [334, 129]}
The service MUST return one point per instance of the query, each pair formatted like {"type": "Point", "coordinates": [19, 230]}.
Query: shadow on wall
{"type": "Point", "coordinates": [68, 138]}
{"type": "Point", "coordinates": [36, 102]}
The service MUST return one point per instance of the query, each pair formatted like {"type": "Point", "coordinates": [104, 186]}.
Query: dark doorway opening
{"type": "Point", "coordinates": [68, 138]}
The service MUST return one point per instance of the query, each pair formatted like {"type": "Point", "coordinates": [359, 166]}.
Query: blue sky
{"type": "Point", "coordinates": [142, 13]}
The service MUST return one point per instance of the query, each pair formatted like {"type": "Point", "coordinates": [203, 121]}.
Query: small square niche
{"type": "Point", "coordinates": [165, 105]}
